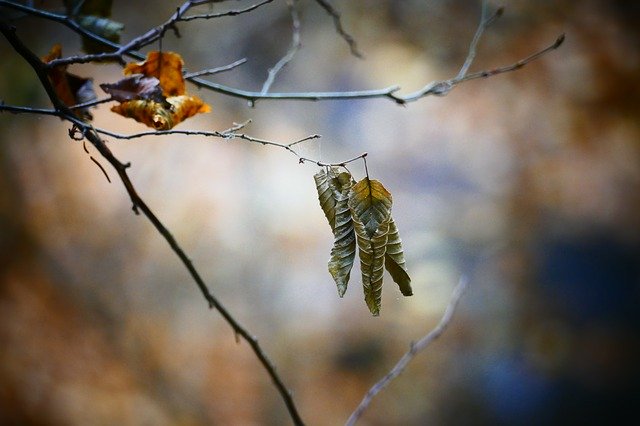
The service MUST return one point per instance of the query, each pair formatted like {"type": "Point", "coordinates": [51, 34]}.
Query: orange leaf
{"type": "Point", "coordinates": [70, 88]}
{"type": "Point", "coordinates": [166, 67]}
{"type": "Point", "coordinates": [157, 115]}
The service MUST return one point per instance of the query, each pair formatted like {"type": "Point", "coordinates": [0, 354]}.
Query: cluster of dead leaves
{"type": "Point", "coordinates": [154, 93]}
{"type": "Point", "coordinates": [360, 214]}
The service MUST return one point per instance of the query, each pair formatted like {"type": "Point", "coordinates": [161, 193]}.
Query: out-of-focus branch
{"type": "Point", "coordinates": [415, 348]}
{"type": "Point", "coordinates": [296, 44]}
{"type": "Point", "coordinates": [216, 70]}
{"type": "Point", "coordinates": [435, 88]}
{"type": "Point", "coordinates": [337, 23]}
{"type": "Point", "coordinates": [87, 131]}
{"type": "Point", "coordinates": [221, 14]}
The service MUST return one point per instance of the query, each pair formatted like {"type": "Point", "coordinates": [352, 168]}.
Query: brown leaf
{"type": "Point", "coordinates": [135, 87]}
{"type": "Point", "coordinates": [166, 67]}
{"type": "Point", "coordinates": [70, 88]}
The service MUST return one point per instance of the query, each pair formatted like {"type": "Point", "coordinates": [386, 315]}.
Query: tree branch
{"type": "Point", "coordinates": [437, 88]}
{"type": "Point", "coordinates": [415, 348]}
{"type": "Point", "coordinates": [139, 204]}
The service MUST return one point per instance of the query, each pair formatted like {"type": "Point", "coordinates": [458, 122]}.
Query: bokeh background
{"type": "Point", "coordinates": [526, 183]}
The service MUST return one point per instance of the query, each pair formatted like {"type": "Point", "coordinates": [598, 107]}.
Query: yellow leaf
{"type": "Point", "coordinates": [161, 116]}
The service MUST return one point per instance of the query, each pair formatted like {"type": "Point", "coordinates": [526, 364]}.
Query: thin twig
{"type": "Point", "coordinates": [296, 44]}
{"type": "Point", "coordinates": [221, 14]}
{"type": "Point", "coordinates": [139, 205]}
{"type": "Point", "coordinates": [414, 349]}
{"type": "Point", "coordinates": [484, 23]}
{"type": "Point", "coordinates": [337, 23]}
{"type": "Point", "coordinates": [216, 70]}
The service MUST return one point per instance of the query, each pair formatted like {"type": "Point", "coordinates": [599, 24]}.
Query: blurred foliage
{"type": "Point", "coordinates": [528, 183]}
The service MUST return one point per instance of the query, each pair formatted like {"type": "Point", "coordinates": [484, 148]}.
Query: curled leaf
{"type": "Point", "coordinates": [394, 260]}
{"type": "Point", "coordinates": [158, 115]}
{"type": "Point", "coordinates": [370, 205]}
{"type": "Point", "coordinates": [70, 88]}
{"type": "Point", "coordinates": [136, 86]}
{"type": "Point", "coordinates": [328, 191]}
{"type": "Point", "coordinates": [333, 194]}
{"type": "Point", "coordinates": [166, 67]}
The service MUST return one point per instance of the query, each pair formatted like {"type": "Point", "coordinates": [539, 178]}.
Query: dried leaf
{"type": "Point", "coordinates": [174, 104]}
{"type": "Point", "coordinates": [343, 252]}
{"type": "Point", "coordinates": [166, 67]}
{"type": "Point", "coordinates": [158, 115]}
{"type": "Point", "coordinates": [328, 191]}
{"type": "Point", "coordinates": [135, 87]}
{"type": "Point", "coordinates": [70, 88]}
{"type": "Point", "coordinates": [103, 27]}
{"type": "Point", "coordinates": [370, 205]}
{"type": "Point", "coordinates": [394, 260]}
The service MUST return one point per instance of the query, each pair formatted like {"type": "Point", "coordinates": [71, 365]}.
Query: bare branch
{"type": "Point", "coordinates": [337, 23]}
{"type": "Point", "coordinates": [221, 14]}
{"type": "Point", "coordinates": [414, 349]}
{"type": "Point", "coordinates": [14, 109]}
{"type": "Point", "coordinates": [484, 23]}
{"type": "Point", "coordinates": [296, 44]}
{"type": "Point", "coordinates": [216, 70]}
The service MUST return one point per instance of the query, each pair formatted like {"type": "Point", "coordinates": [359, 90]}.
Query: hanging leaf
{"type": "Point", "coordinates": [135, 87]}
{"type": "Point", "coordinates": [333, 194]}
{"type": "Point", "coordinates": [160, 111]}
{"type": "Point", "coordinates": [158, 115]}
{"type": "Point", "coordinates": [92, 15]}
{"type": "Point", "coordinates": [166, 67]}
{"type": "Point", "coordinates": [103, 27]}
{"type": "Point", "coordinates": [394, 260]}
{"type": "Point", "coordinates": [328, 191]}
{"type": "Point", "coordinates": [71, 89]}
{"type": "Point", "coordinates": [343, 252]}
{"type": "Point", "coordinates": [370, 205]}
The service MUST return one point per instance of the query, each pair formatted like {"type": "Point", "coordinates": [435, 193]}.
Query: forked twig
{"type": "Point", "coordinates": [415, 348]}
{"type": "Point", "coordinates": [296, 44]}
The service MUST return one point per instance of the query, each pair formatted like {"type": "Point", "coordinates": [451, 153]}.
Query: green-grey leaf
{"type": "Point", "coordinates": [343, 252]}
{"type": "Point", "coordinates": [328, 193]}
{"type": "Point", "coordinates": [370, 205]}
{"type": "Point", "coordinates": [103, 27]}
{"type": "Point", "coordinates": [372, 254]}
{"type": "Point", "coordinates": [394, 260]}
{"type": "Point", "coordinates": [333, 193]}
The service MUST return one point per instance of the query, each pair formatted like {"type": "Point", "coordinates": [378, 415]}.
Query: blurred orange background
{"type": "Point", "coordinates": [527, 183]}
